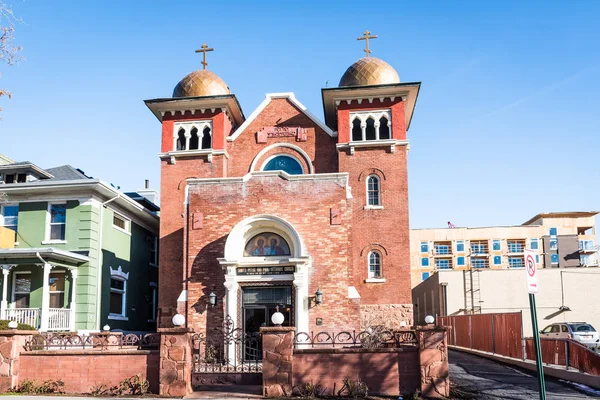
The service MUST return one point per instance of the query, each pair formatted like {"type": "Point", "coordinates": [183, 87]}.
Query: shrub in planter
{"type": "Point", "coordinates": [20, 327]}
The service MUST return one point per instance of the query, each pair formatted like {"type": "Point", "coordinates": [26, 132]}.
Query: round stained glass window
{"type": "Point", "coordinates": [284, 163]}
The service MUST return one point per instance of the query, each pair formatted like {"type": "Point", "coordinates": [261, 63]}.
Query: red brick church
{"type": "Point", "coordinates": [280, 210]}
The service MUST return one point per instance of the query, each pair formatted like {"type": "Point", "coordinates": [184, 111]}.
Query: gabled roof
{"type": "Point", "coordinates": [66, 172]}
{"type": "Point", "coordinates": [292, 99]}
{"type": "Point", "coordinates": [564, 214]}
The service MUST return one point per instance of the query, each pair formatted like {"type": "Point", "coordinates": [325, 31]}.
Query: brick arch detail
{"type": "Point", "coordinates": [373, 246]}
{"type": "Point", "coordinates": [371, 171]}
{"type": "Point", "coordinates": [283, 148]}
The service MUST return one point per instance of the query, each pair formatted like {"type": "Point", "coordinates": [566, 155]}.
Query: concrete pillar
{"type": "Point", "coordinates": [278, 347]}
{"type": "Point", "coordinates": [175, 376]}
{"type": "Point", "coordinates": [433, 360]}
{"type": "Point", "coordinates": [45, 298]}
{"type": "Point", "coordinates": [301, 306]}
{"type": "Point", "coordinates": [4, 302]}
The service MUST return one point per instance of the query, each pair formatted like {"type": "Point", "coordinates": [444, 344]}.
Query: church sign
{"type": "Point", "coordinates": [301, 134]}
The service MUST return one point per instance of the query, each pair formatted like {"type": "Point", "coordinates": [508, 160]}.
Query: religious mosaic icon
{"type": "Point", "coordinates": [267, 244]}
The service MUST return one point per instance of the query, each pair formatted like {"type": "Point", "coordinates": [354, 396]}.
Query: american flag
{"type": "Point", "coordinates": [451, 225]}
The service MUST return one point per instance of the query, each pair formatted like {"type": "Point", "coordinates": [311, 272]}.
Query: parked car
{"type": "Point", "coordinates": [579, 331]}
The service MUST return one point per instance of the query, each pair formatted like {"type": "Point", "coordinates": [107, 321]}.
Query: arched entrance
{"type": "Point", "coordinates": [266, 268]}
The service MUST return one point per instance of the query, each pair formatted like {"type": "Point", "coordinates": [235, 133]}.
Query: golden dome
{"type": "Point", "coordinates": [200, 83]}
{"type": "Point", "coordinates": [369, 71]}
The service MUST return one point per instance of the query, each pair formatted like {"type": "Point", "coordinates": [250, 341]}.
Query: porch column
{"type": "Point", "coordinates": [231, 300]}
{"type": "Point", "coordinates": [4, 302]}
{"type": "Point", "coordinates": [45, 298]}
{"type": "Point", "coordinates": [301, 306]}
{"type": "Point", "coordinates": [73, 304]}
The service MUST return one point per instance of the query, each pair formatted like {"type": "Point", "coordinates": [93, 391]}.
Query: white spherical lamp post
{"type": "Point", "coordinates": [277, 318]}
{"type": "Point", "coordinates": [429, 319]}
{"type": "Point", "coordinates": [13, 325]}
{"type": "Point", "coordinates": [178, 320]}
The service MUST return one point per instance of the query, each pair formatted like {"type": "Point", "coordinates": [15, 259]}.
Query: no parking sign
{"type": "Point", "coordinates": [531, 269]}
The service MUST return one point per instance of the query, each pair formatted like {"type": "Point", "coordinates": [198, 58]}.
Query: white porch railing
{"type": "Point", "coordinates": [59, 319]}
{"type": "Point", "coordinates": [29, 316]}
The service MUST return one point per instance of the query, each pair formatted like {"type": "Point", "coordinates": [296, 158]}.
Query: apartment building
{"type": "Point", "coordinates": [560, 240]}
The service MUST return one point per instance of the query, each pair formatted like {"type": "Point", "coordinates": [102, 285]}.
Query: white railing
{"type": "Point", "coordinates": [59, 319]}
{"type": "Point", "coordinates": [29, 316]}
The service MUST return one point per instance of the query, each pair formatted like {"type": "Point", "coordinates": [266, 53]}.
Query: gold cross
{"type": "Point", "coordinates": [366, 38]}
{"type": "Point", "coordinates": [204, 49]}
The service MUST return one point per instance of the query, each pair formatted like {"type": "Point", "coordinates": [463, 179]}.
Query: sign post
{"type": "Point", "coordinates": [532, 286]}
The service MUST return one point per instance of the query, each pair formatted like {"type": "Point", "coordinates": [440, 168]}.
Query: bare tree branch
{"type": "Point", "coordinates": [9, 52]}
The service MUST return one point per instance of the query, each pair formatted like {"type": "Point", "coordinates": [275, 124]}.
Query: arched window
{"type": "Point", "coordinates": [285, 163]}
{"type": "Point", "coordinates": [206, 138]}
{"type": "Point", "coordinates": [384, 129]}
{"type": "Point", "coordinates": [356, 130]}
{"type": "Point", "coordinates": [373, 191]}
{"type": "Point", "coordinates": [181, 139]}
{"type": "Point", "coordinates": [371, 129]}
{"type": "Point", "coordinates": [266, 244]}
{"type": "Point", "coordinates": [194, 140]}
{"type": "Point", "coordinates": [374, 265]}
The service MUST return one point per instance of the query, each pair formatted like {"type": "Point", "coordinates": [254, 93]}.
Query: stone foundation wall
{"type": "Point", "coordinates": [388, 315]}
{"type": "Point", "coordinates": [175, 362]}
{"type": "Point", "coordinates": [278, 343]}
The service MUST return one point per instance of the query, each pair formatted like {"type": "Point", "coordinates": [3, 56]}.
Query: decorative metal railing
{"type": "Point", "coordinates": [97, 341]}
{"type": "Point", "coordinates": [226, 349]}
{"type": "Point", "coordinates": [59, 319]}
{"type": "Point", "coordinates": [29, 316]}
{"type": "Point", "coordinates": [369, 339]}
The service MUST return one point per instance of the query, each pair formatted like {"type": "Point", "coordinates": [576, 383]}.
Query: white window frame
{"type": "Point", "coordinates": [376, 116]}
{"type": "Point", "coordinates": [187, 126]}
{"type": "Point", "coordinates": [154, 304]}
{"type": "Point", "coordinates": [64, 285]}
{"type": "Point", "coordinates": [368, 206]}
{"type": "Point", "coordinates": [118, 274]}
{"type": "Point", "coordinates": [127, 229]}
{"type": "Point", "coordinates": [2, 207]}
{"type": "Point", "coordinates": [14, 284]}
{"type": "Point", "coordinates": [531, 241]}
{"type": "Point", "coordinates": [457, 243]}
{"type": "Point", "coordinates": [47, 239]}
{"type": "Point", "coordinates": [371, 276]}
{"type": "Point", "coordinates": [154, 260]}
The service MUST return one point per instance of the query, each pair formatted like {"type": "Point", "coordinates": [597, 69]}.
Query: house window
{"type": "Point", "coordinates": [152, 298]}
{"type": "Point", "coordinates": [56, 222]}
{"type": "Point", "coordinates": [120, 222]}
{"type": "Point", "coordinates": [424, 262]}
{"type": "Point", "coordinates": [21, 289]}
{"type": "Point", "coordinates": [9, 178]}
{"type": "Point", "coordinates": [57, 290]}
{"type": "Point", "coordinates": [554, 259]}
{"type": "Point", "coordinates": [370, 129]}
{"type": "Point", "coordinates": [460, 261]}
{"type": "Point", "coordinates": [479, 246]}
{"type": "Point", "coordinates": [497, 260]}
{"type": "Point", "coordinates": [374, 264]}
{"type": "Point", "coordinates": [481, 262]}
{"type": "Point", "coordinates": [516, 262]}
{"type": "Point", "coordinates": [284, 162]}
{"type": "Point", "coordinates": [118, 294]}
{"type": "Point", "coordinates": [537, 258]}
{"type": "Point", "coordinates": [533, 244]}
{"type": "Point", "coordinates": [442, 249]}
{"type": "Point", "coordinates": [373, 191]}
{"type": "Point", "coordinates": [496, 245]}
{"type": "Point", "coordinates": [154, 251]}
{"type": "Point", "coordinates": [10, 218]}
{"type": "Point", "coordinates": [424, 247]}
{"type": "Point", "coordinates": [553, 244]}
{"type": "Point", "coordinates": [460, 246]}
{"type": "Point", "coordinates": [443, 264]}
{"type": "Point", "coordinates": [586, 245]}
{"type": "Point", "coordinates": [553, 231]}
{"type": "Point", "coordinates": [515, 246]}
{"type": "Point", "coordinates": [424, 275]}
{"type": "Point", "coordinates": [356, 130]}
{"type": "Point", "coordinates": [194, 140]}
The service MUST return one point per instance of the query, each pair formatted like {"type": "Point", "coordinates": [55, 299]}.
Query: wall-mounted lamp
{"type": "Point", "coordinates": [318, 297]}
{"type": "Point", "coordinates": [212, 299]}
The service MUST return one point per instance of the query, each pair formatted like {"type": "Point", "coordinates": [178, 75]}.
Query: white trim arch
{"type": "Point", "coordinates": [287, 145]}
{"type": "Point", "coordinates": [188, 127]}
{"type": "Point", "coordinates": [293, 157]}
{"type": "Point", "coordinates": [376, 116]}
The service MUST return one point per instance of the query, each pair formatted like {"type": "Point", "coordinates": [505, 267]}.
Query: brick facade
{"type": "Point", "coordinates": [209, 191]}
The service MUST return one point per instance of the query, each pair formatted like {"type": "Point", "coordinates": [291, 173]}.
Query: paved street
{"type": "Point", "coordinates": [485, 379]}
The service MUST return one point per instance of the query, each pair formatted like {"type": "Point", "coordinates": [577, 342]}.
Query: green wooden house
{"type": "Point", "coordinates": [84, 255]}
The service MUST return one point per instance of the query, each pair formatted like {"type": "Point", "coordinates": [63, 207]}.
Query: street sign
{"type": "Point", "coordinates": [531, 269]}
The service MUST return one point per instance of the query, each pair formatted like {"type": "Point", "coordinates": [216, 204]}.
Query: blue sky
{"type": "Point", "coordinates": [506, 125]}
